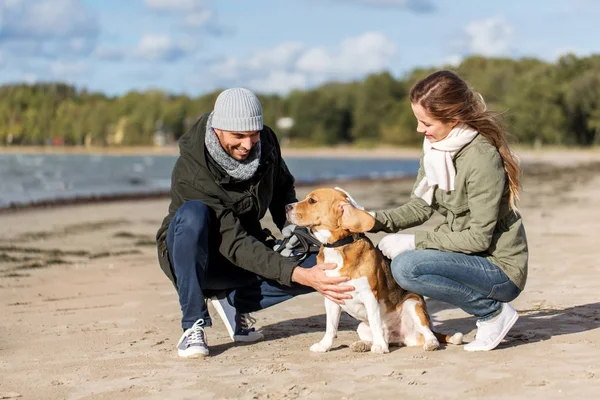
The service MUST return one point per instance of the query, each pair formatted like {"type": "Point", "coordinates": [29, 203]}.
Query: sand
{"type": "Point", "coordinates": [87, 313]}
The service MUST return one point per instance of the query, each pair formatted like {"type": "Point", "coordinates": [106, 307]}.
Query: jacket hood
{"type": "Point", "coordinates": [191, 144]}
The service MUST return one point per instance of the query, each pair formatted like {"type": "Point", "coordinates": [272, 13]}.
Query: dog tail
{"type": "Point", "coordinates": [457, 338]}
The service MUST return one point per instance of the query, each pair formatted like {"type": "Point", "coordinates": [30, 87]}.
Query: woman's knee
{"type": "Point", "coordinates": [192, 216]}
{"type": "Point", "coordinates": [404, 268]}
{"type": "Point", "coordinates": [504, 292]}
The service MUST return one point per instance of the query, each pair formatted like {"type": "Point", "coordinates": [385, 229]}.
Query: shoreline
{"type": "Point", "coordinates": [530, 162]}
{"type": "Point", "coordinates": [340, 151]}
{"type": "Point", "coordinates": [131, 197]}
{"type": "Point", "coordinates": [173, 150]}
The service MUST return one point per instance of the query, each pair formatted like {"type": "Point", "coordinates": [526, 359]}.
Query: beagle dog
{"type": "Point", "coordinates": [388, 313]}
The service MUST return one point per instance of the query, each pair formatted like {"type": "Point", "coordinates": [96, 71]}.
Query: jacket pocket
{"type": "Point", "coordinates": [455, 201]}
{"type": "Point", "coordinates": [460, 221]}
{"type": "Point", "coordinates": [450, 220]}
{"type": "Point", "coordinates": [242, 205]}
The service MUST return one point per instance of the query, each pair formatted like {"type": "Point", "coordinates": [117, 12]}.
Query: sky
{"type": "Point", "coordinates": [274, 46]}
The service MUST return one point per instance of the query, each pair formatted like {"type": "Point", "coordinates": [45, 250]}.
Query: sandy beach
{"type": "Point", "coordinates": [88, 314]}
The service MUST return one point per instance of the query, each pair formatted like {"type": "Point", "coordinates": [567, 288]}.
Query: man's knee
{"type": "Point", "coordinates": [192, 217]}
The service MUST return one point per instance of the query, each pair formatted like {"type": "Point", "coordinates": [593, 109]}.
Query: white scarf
{"type": "Point", "coordinates": [437, 161]}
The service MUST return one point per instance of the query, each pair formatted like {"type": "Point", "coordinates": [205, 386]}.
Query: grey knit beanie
{"type": "Point", "coordinates": [237, 110]}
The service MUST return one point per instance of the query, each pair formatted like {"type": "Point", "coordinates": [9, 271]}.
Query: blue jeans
{"type": "Point", "coordinates": [470, 282]}
{"type": "Point", "coordinates": [201, 271]}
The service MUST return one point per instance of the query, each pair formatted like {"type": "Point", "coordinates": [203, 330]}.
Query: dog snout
{"type": "Point", "coordinates": [290, 212]}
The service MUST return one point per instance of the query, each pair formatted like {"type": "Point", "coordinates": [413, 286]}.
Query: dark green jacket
{"type": "Point", "coordinates": [478, 217]}
{"type": "Point", "coordinates": [238, 205]}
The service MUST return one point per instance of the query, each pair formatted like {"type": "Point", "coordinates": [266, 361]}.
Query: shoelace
{"type": "Point", "coordinates": [478, 334]}
{"type": "Point", "coordinates": [197, 335]}
{"type": "Point", "coordinates": [246, 322]}
{"type": "Point", "coordinates": [483, 329]}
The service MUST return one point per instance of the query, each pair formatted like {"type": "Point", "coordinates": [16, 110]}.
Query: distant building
{"type": "Point", "coordinates": [160, 138]}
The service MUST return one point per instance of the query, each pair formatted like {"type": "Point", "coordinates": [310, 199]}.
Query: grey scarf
{"type": "Point", "coordinates": [240, 170]}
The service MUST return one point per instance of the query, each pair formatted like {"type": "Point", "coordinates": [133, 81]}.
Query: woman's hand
{"type": "Point", "coordinates": [394, 244]}
{"type": "Point", "coordinates": [350, 199]}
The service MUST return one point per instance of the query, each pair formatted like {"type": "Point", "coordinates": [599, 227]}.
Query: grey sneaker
{"type": "Point", "coordinates": [245, 332]}
{"type": "Point", "coordinates": [193, 343]}
{"type": "Point", "coordinates": [239, 326]}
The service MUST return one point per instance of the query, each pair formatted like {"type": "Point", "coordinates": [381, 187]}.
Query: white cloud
{"type": "Point", "coordinates": [47, 28]}
{"type": "Point", "coordinates": [174, 5]}
{"type": "Point", "coordinates": [13, 3]}
{"type": "Point", "coordinates": [109, 54]}
{"type": "Point", "coordinates": [45, 19]}
{"type": "Point", "coordinates": [29, 77]}
{"type": "Point", "coordinates": [578, 52]}
{"type": "Point", "coordinates": [401, 3]}
{"type": "Point", "coordinates": [195, 13]}
{"type": "Point", "coordinates": [282, 56]}
{"type": "Point", "coordinates": [159, 48]}
{"type": "Point", "coordinates": [413, 5]}
{"type": "Point", "coordinates": [292, 65]}
{"type": "Point", "coordinates": [363, 54]}
{"type": "Point", "coordinates": [199, 18]}
{"type": "Point", "coordinates": [21, 47]}
{"type": "Point", "coordinates": [151, 47]}
{"type": "Point", "coordinates": [226, 69]}
{"type": "Point", "coordinates": [489, 37]}
{"type": "Point", "coordinates": [280, 81]}
{"type": "Point", "coordinates": [453, 60]}
{"type": "Point", "coordinates": [67, 70]}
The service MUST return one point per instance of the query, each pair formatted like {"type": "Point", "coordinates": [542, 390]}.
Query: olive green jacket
{"type": "Point", "coordinates": [478, 217]}
{"type": "Point", "coordinates": [238, 205]}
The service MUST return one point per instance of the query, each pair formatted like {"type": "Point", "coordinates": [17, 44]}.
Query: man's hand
{"type": "Point", "coordinates": [394, 244]}
{"type": "Point", "coordinates": [328, 286]}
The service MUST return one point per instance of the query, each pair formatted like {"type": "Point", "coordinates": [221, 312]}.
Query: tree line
{"type": "Point", "coordinates": [541, 103]}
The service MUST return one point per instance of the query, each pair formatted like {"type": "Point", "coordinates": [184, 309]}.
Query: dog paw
{"type": "Point", "coordinates": [431, 344]}
{"type": "Point", "coordinates": [319, 348]}
{"type": "Point", "coordinates": [457, 338]}
{"type": "Point", "coordinates": [379, 349]}
{"type": "Point", "coordinates": [361, 346]}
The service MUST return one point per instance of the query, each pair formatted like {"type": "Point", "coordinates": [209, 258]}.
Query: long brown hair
{"type": "Point", "coordinates": [446, 97]}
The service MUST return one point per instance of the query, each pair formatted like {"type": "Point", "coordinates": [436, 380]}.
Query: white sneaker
{"type": "Point", "coordinates": [193, 343]}
{"type": "Point", "coordinates": [239, 326]}
{"type": "Point", "coordinates": [490, 333]}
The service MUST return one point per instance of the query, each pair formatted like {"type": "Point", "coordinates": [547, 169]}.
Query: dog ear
{"type": "Point", "coordinates": [355, 220]}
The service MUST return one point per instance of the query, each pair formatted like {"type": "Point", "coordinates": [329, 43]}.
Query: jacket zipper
{"type": "Point", "coordinates": [254, 193]}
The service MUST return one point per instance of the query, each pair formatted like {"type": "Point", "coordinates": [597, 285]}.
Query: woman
{"type": "Point", "coordinates": [477, 258]}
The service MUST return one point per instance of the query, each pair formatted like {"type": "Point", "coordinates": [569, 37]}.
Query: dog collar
{"type": "Point", "coordinates": [347, 240]}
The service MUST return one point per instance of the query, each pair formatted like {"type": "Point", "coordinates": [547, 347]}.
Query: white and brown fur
{"type": "Point", "coordinates": [388, 313]}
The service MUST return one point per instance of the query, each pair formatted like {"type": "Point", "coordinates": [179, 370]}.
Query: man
{"type": "Point", "coordinates": [212, 245]}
